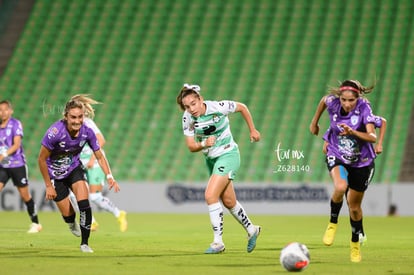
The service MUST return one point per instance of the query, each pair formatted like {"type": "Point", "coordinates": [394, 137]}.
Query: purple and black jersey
{"type": "Point", "coordinates": [350, 149]}
{"type": "Point", "coordinates": [7, 134]}
{"type": "Point", "coordinates": [65, 150]}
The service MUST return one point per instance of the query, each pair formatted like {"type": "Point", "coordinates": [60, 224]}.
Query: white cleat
{"type": "Point", "coordinates": [86, 249]}
{"type": "Point", "coordinates": [35, 228]}
{"type": "Point", "coordinates": [75, 229]}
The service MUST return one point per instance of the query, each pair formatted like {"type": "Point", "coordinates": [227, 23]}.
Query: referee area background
{"type": "Point", "coordinates": [277, 56]}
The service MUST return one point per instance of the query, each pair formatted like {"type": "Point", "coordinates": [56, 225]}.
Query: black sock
{"type": "Point", "coordinates": [335, 209]}
{"type": "Point", "coordinates": [31, 209]}
{"type": "Point", "coordinates": [69, 219]}
{"type": "Point", "coordinates": [85, 213]}
{"type": "Point", "coordinates": [356, 229]}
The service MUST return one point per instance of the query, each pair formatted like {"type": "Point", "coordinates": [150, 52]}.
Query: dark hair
{"type": "Point", "coordinates": [7, 102]}
{"type": "Point", "coordinates": [185, 91]}
{"type": "Point", "coordinates": [353, 86]}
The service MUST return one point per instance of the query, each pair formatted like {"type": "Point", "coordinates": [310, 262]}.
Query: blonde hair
{"type": "Point", "coordinates": [87, 102]}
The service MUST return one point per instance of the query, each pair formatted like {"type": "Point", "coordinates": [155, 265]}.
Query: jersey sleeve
{"type": "Point", "coordinates": [187, 124]}
{"type": "Point", "coordinates": [227, 106]}
{"type": "Point", "coordinates": [18, 129]}
{"type": "Point", "coordinates": [49, 138]}
{"type": "Point", "coordinates": [367, 115]}
{"type": "Point", "coordinates": [91, 124]}
{"type": "Point", "coordinates": [93, 141]}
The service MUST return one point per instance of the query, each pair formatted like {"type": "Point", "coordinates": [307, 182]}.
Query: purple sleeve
{"type": "Point", "coordinates": [367, 115]}
{"type": "Point", "coordinates": [93, 141]}
{"type": "Point", "coordinates": [49, 138]}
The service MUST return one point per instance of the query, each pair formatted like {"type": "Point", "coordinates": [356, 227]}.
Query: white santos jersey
{"type": "Point", "coordinates": [87, 152]}
{"type": "Point", "coordinates": [213, 123]}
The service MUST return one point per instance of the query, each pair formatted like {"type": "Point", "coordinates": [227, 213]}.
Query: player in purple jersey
{"type": "Point", "coordinates": [380, 123]}
{"type": "Point", "coordinates": [350, 154]}
{"type": "Point", "coordinates": [206, 128]}
{"type": "Point", "coordinates": [13, 161]}
{"type": "Point", "coordinates": [61, 168]}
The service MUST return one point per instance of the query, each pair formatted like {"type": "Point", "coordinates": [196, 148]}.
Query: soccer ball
{"type": "Point", "coordinates": [295, 257]}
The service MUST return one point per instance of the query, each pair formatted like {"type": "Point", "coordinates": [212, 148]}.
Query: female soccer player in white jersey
{"type": "Point", "coordinates": [206, 128]}
{"type": "Point", "coordinates": [350, 154]}
{"type": "Point", "coordinates": [94, 172]}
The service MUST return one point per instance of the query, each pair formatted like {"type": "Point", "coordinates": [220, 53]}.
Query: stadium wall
{"type": "Point", "coordinates": [278, 199]}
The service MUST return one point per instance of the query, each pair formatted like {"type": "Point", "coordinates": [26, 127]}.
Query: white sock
{"type": "Point", "coordinates": [73, 201]}
{"type": "Point", "coordinates": [104, 203]}
{"type": "Point", "coordinates": [216, 217]}
{"type": "Point", "coordinates": [240, 215]}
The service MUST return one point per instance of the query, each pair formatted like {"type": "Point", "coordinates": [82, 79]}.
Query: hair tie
{"type": "Point", "coordinates": [349, 88]}
{"type": "Point", "coordinates": [195, 88]}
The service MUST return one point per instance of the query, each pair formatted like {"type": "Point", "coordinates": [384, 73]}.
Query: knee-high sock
{"type": "Point", "coordinates": [356, 229]}
{"type": "Point", "coordinates": [104, 203]}
{"type": "Point", "coordinates": [85, 214]}
{"type": "Point", "coordinates": [240, 215]}
{"type": "Point", "coordinates": [216, 217]}
{"type": "Point", "coordinates": [335, 209]}
{"type": "Point", "coordinates": [31, 210]}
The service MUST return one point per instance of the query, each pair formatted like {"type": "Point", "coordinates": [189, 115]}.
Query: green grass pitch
{"type": "Point", "coordinates": [174, 244]}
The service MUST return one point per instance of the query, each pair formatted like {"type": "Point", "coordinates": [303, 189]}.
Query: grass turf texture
{"type": "Point", "coordinates": [174, 244]}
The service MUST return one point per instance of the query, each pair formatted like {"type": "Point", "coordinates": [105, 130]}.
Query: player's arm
{"type": "Point", "coordinates": [314, 125]}
{"type": "Point", "coordinates": [382, 130]}
{"type": "Point", "coordinates": [254, 133]}
{"type": "Point", "coordinates": [101, 141]}
{"type": "Point", "coordinates": [195, 146]}
{"type": "Point", "coordinates": [44, 154]}
{"type": "Point", "coordinates": [17, 141]}
{"type": "Point", "coordinates": [103, 162]}
{"type": "Point", "coordinates": [368, 136]}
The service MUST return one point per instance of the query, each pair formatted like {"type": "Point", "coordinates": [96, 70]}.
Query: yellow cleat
{"type": "Point", "coordinates": [94, 226]}
{"type": "Point", "coordinates": [355, 252]}
{"type": "Point", "coordinates": [123, 223]}
{"type": "Point", "coordinates": [330, 232]}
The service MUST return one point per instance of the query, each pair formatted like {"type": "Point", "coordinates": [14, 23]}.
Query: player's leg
{"type": "Point", "coordinates": [65, 207]}
{"type": "Point", "coordinates": [339, 175]}
{"type": "Point", "coordinates": [81, 192]}
{"type": "Point", "coordinates": [355, 213]}
{"type": "Point", "coordinates": [20, 180]}
{"type": "Point", "coordinates": [96, 179]}
{"type": "Point", "coordinates": [215, 187]}
{"type": "Point", "coordinates": [236, 209]}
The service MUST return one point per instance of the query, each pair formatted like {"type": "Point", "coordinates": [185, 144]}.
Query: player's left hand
{"type": "Point", "coordinates": [113, 184]}
{"type": "Point", "coordinates": [254, 136]}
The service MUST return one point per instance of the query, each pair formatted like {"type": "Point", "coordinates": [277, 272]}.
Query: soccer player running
{"type": "Point", "coordinates": [94, 173]}
{"type": "Point", "coordinates": [13, 161]}
{"type": "Point", "coordinates": [350, 154]}
{"type": "Point", "coordinates": [381, 123]}
{"type": "Point", "coordinates": [206, 128]}
{"type": "Point", "coordinates": [62, 170]}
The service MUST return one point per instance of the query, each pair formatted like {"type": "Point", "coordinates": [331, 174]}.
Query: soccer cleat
{"type": "Point", "coordinates": [94, 226]}
{"type": "Point", "coordinates": [362, 239]}
{"type": "Point", "coordinates": [75, 229]}
{"type": "Point", "coordinates": [251, 243]}
{"type": "Point", "coordinates": [85, 248]}
{"type": "Point", "coordinates": [355, 252]}
{"type": "Point", "coordinates": [35, 228]}
{"type": "Point", "coordinates": [215, 248]}
{"type": "Point", "coordinates": [329, 236]}
{"type": "Point", "coordinates": [123, 223]}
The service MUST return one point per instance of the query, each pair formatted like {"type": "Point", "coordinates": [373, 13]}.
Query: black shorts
{"type": "Point", "coordinates": [18, 176]}
{"type": "Point", "coordinates": [62, 185]}
{"type": "Point", "coordinates": [358, 177]}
